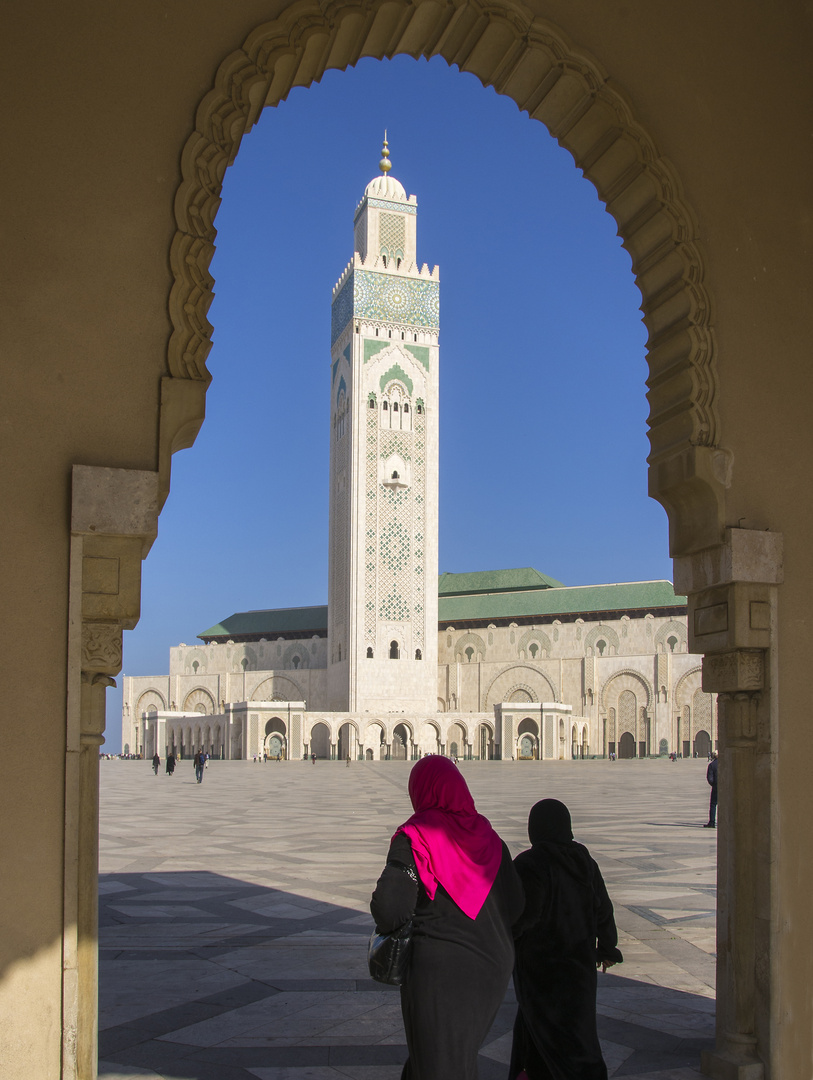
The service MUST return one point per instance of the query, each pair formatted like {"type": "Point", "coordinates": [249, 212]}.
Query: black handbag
{"type": "Point", "coordinates": [388, 954]}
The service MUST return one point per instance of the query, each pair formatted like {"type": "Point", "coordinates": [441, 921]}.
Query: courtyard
{"type": "Point", "coordinates": [234, 914]}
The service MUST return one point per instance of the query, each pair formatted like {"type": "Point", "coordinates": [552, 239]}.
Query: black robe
{"type": "Point", "coordinates": [459, 969]}
{"type": "Point", "coordinates": [567, 910]}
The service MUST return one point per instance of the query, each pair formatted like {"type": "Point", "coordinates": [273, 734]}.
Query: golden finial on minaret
{"type": "Point", "coordinates": [385, 164]}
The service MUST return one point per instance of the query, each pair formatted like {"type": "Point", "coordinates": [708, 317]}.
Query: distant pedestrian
{"type": "Point", "coordinates": [156, 763]}
{"type": "Point", "coordinates": [711, 776]}
{"type": "Point", "coordinates": [170, 764]}
{"type": "Point", "coordinates": [200, 765]}
{"type": "Point", "coordinates": [313, 759]}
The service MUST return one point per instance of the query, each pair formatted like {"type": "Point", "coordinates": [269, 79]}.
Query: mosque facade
{"type": "Point", "coordinates": [496, 665]}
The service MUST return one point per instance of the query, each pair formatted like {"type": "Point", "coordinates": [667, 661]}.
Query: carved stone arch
{"type": "Point", "coordinates": [528, 638]}
{"type": "Point", "coordinates": [277, 688]}
{"type": "Point", "coordinates": [469, 641]}
{"type": "Point", "coordinates": [534, 63]}
{"type": "Point", "coordinates": [148, 698]}
{"type": "Point", "coordinates": [676, 629]}
{"type": "Point", "coordinates": [197, 697]}
{"type": "Point", "coordinates": [685, 687]}
{"type": "Point", "coordinates": [519, 675]}
{"type": "Point", "coordinates": [626, 680]}
{"type": "Point", "coordinates": [601, 633]}
{"type": "Point", "coordinates": [521, 692]}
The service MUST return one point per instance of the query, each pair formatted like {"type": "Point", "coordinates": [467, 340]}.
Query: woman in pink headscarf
{"type": "Point", "coordinates": [451, 874]}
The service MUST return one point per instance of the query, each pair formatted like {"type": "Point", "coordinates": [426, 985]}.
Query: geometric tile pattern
{"type": "Point", "coordinates": [234, 915]}
{"type": "Point", "coordinates": [386, 298]}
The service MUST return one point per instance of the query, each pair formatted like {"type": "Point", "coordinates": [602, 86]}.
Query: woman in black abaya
{"type": "Point", "coordinates": [566, 930]}
{"type": "Point", "coordinates": [451, 874]}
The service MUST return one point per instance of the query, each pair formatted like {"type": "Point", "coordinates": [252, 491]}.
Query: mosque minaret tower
{"type": "Point", "coordinates": [382, 592]}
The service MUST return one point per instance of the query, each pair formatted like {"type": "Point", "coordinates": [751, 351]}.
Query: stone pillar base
{"type": "Point", "coordinates": [725, 1065]}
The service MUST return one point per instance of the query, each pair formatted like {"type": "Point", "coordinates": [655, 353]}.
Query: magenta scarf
{"type": "Point", "coordinates": [453, 845]}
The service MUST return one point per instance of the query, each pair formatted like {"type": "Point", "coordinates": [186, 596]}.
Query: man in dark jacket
{"type": "Point", "coordinates": [711, 776]}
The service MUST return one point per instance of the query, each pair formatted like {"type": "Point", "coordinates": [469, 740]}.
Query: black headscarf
{"type": "Point", "coordinates": [549, 822]}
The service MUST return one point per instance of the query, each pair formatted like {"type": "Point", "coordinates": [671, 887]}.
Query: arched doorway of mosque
{"type": "Point", "coordinates": [320, 740]}
{"type": "Point", "coordinates": [626, 745]}
{"type": "Point", "coordinates": [702, 744]}
{"type": "Point", "coordinates": [275, 738]}
{"type": "Point", "coordinates": [528, 733]}
{"type": "Point", "coordinates": [485, 742]}
{"type": "Point", "coordinates": [348, 742]}
{"type": "Point", "coordinates": [401, 743]}
{"type": "Point", "coordinates": [457, 741]}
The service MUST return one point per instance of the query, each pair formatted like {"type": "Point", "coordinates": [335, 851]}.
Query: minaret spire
{"type": "Point", "coordinates": [385, 164]}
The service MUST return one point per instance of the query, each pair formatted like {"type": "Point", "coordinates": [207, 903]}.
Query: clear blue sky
{"type": "Point", "coordinates": [543, 414]}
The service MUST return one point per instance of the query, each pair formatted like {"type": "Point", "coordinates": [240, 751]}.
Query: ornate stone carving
{"type": "Point", "coordinates": [727, 673]}
{"type": "Point", "coordinates": [101, 647]}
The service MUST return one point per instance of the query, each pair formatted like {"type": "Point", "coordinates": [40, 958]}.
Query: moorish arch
{"type": "Point", "coordinates": [277, 688]}
{"type": "Point", "coordinates": [556, 83]}
{"type": "Point", "coordinates": [150, 701]}
{"type": "Point", "coordinates": [199, 700]}
{"type": "Point", "coordinates": [519, 678]}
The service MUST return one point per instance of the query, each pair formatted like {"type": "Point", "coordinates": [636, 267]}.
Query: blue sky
{"type": "Point", "coordinates": [542, 364]}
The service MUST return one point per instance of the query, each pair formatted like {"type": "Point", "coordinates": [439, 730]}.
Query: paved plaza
{"type": "Point", "coordinates": [234, 915]}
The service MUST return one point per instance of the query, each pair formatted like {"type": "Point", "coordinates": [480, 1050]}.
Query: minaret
{"type": "Point", "coordinates": [383, 596]}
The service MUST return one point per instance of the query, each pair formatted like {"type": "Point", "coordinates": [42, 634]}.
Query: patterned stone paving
{"type": "Point", "coordinates": [234, 917]}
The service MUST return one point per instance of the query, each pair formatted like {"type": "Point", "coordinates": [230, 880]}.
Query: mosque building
{"type": "Point", "coordinates": [496, 665]}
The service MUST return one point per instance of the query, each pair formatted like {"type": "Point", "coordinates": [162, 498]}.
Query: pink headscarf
{"type": "Point", "coordinates": [453, 845]}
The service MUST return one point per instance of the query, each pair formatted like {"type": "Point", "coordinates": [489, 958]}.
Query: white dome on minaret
{"type": "Point", "coordinates": [385, 187]}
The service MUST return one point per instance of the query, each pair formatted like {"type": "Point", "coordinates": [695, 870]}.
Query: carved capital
{"type": "Point", "coordinates": [101, 647]}
{"type": "Point", "coordinates": [742, 671]}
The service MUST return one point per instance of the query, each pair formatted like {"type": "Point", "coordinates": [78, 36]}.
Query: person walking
{"type": "Point", "coordinates": [156, 763]}
{"type": "Point", "coordinates": [348, 761]}
{"type": "Point", "coordinates": [448, 871]}
{"type": "Point", "coordinates": [200, 765]}
{"type": "Point", "coordinates": [170, 766]}
{"type": "Point", "coordinates": [566, 930]}
{"type": "Point", "coordinates": [711, 776]}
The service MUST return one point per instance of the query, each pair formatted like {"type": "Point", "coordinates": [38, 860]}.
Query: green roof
{"type": "Point", "coordinates": [495, 581]}
{"type": "Point", "coordinates": [275, 622]}
{"type": "Point", "coordinates": [576, 600]}
{"type": "Point", "coordinates": [460, 601]}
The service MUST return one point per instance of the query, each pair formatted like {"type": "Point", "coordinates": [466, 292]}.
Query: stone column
{"type": "Point", "coordinates": [114, 519]}
{"type": "Point", "coordinates": [733, 593]}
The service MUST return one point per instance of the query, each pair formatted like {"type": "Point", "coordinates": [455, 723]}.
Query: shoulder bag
{"type": "Point", "coordinates": [388, 955]}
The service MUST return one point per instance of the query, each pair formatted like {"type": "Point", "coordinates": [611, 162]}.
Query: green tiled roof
{"type": "Point", "coordinates": [577, 600]}
{"type": "Point", "coordinates": [276, 622]}
{"type": "Point", "coordinates": [495, 581]}
{"type": "Point", "coordinates": [456, 606]}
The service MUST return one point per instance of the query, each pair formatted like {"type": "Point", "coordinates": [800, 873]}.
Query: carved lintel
{"type": "Point", "coordinates": [101, 647]}
{"type": "Point", "coordinates": [740, 671]}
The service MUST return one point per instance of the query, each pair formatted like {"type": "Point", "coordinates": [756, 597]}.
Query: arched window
{"type": "Point", "coordinates": [418, 655]}
{"type": "Point", "coordinates": [395, 475]}
{"type": "Point", "coordinates": [372, 403]}
{"type": "Point", "coordinates": [384, 406]}
{"type": "Point", "coordinates": [369, 652]}
{"type": "Point", "coordinates": [470, 653]}
{"type": "Point", "coordinates": [244, 663]}
{"type": "Point", "coordinates": [393, 650]}
{"type": "Point", "coordinates": [672, 643]}
{"type": "Point", "coordinates": [533, 649]}
{"type": "Point", "coordinates": [296, 661]}
{"type": "Point", "coordinates": [601, 645]}
{"type": "Point", "coordinates": [420, 408]}
{"type": "Point", "coordinates": [195, 666]}
{"type": "Point", "coordinates": [395, 406]}
{"type": "Point", "coordinates": [406, 408]}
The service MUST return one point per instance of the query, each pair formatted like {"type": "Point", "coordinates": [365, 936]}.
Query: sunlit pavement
{"type": "Point", "coordinates": [234, 914]}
